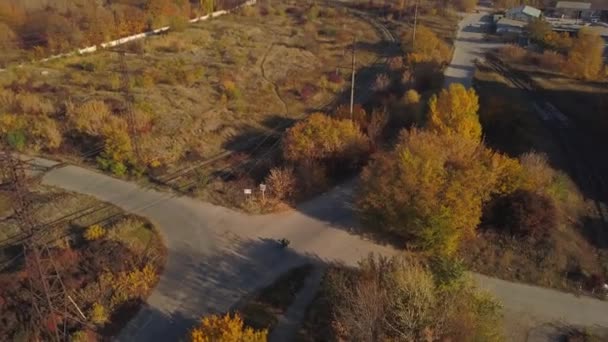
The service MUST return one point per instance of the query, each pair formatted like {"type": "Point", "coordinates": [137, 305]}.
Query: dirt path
{"type": "Point", "coordinates": [275, 87]}
{"type": "Point", "coordinates": [288, 325]}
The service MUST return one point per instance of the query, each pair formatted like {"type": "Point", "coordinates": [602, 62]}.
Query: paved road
{"type": "Point", "coordinates": [217, 255]}
{"type": "Point", "coordinates": [468, 46]}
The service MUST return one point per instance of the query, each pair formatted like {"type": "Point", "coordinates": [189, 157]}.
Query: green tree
{"type": "Point", "coordinates": [585, 58]}
{"type": "Point", "coordinates": [454, 111]}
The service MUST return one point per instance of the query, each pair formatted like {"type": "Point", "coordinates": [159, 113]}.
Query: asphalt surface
{"type": "Point", "coordinates": [469, 45]}
{"type": "Point", "coordinates": [217, 255]}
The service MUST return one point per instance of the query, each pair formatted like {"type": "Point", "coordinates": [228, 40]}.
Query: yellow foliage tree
{"type": "Point", "coordinates": [321, 137]}
{"type": "Point", "coordinates": [585, 58]}
{"type": "Point", "coordinates": [412, 97]}
{"type": "Point", "coordinates": [454, 111]}
{"type": "Point", "coordinates": [427, 47]}
{"type": "Point", "coordinates": [227, 328]}
{"type": "Point", "coordinates": [94, 232]}
{"type": "Point", "coordinates": [99, 314]}
{"type": "Point", "coordinates": [431, 188]}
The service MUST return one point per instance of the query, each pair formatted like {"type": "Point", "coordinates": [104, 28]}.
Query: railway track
{"type": "Point", "coordinates": [571, 140]}
{"type": "Point", "coordinates": [265, 146]}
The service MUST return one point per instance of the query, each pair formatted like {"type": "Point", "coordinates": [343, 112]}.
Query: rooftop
{"type": "Point", "coordinates": [573, 5]}
{"type": "Point", "coordinates": [529, 10]}
{"type": "Point", "coordinates": [511, 22]}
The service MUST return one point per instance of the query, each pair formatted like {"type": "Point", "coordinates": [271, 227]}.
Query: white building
{"type": "Point", "coordinates": [523, 13]}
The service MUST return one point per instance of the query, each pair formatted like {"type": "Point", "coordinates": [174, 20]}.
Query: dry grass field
{"type": "Point", "coordinates": [212, 85]}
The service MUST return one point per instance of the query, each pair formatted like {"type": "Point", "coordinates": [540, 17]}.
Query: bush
{"type": "Point", "coordinates": [411, 97]}
{"type": "Point", "coordinates": [99, 314]}
{"type": "Point", "coordinates": [551, 60]}
{"type": "Point", "coordinates": [89, 117]}
{"type": "Point", "coordinates": [281, 182]}
{"type": "Point", "coordinates": [513, 52]}
{"type": "Point", "coordinates": [94, 232]}
{"type": "Point", "coordinates": [525, 214]}
{"type": "Point", "coordinates": [381, 83]}
{"type": "Point", "coordinates": [320, 137]}
{"type": "Point", "coordinates": [226, 328]}
{"type": "Point", "coordinates": [400, 299]}
{"type": "Point", "coordinates": [429, 47]}
{"type": "Point", "coordinates": [395, 63]}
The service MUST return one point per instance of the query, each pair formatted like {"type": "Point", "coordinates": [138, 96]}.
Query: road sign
{"type": "Point", "coordinates": [247, 191]}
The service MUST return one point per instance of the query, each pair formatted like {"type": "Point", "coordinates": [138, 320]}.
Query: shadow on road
{"type": "Point", "coordinates": [196, 284]}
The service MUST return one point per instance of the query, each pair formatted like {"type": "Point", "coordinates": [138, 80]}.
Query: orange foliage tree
{"type": "Point", "coordinates": [227, 328]}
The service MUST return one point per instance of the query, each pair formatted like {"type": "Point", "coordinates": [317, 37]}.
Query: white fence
{"type": "Point", "coordinates": [124, 40]}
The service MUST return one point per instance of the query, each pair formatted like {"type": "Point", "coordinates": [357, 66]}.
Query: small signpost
{"type": "Point", "coordinates": [263, 190]}
{"type": "Point", "coordinates": [247, 193]}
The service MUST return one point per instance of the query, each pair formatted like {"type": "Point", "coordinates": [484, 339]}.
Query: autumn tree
{"type": "Point", "coordinates": [8, 38]}
{"type": "Point", "coordinates": [207, 6]}
{"type": "Point", "coordinates": [585, 58]}
{"type": "Point", "coordinates": [466, 5]}
{"type": "Point", "coordinates": [227, 328]}
{"type": "Point", "coordinates": [405, 299]}
{"type": "Point", "coordinates": [427, 46]}
{"type": "Point", "coordinates": [537, 30]}
{"type": "Point", "coordinates": [454, 111]}
{"type": "Point", "coordinates": [320, 137]}
{"type": "Point", "coordinates": [359, 116]}
{"type": "Point", "coordinates": [430, 189]}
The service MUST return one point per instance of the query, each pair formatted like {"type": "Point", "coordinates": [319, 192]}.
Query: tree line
{"type": "Point", "coordinates": [42, 28]}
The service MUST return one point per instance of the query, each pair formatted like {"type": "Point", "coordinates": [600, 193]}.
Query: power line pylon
{"type": "Point", "coordinates": [129, 99]}
{"type": "Point", "coordinates": [47, 292]}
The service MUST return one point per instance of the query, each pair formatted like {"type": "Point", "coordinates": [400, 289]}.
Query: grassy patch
{"type": "Point", "coordinates": [262, 311]}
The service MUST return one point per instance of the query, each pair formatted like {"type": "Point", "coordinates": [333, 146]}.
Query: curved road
{"type": "Point", "coordinates": [217, 255]}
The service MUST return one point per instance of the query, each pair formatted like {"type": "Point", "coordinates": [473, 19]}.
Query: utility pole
{"type": "Point", "coordinates": [415, 24]}
{"type": "Point", "coordinates": [352, 81]}
{"type": "Point", "coordinates": [47, 292]}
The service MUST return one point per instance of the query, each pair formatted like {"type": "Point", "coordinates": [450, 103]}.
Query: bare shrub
{"type": "Point", "coordinates": [312, 176]}
{"type": "Point", "coordinates": [525, 214]}
{"type": "Point", "coordinates": [395, 63]}
{"type": "Point", "coordinates": [551, 60]}
{"type": "Point", "coordinates": [513, 52]}
{"type": "Point", "coordinates": [281, 182]}
{"type": "Point", "coordinates": [28, 103]}
{"type": "Point", "coordinates": [382, 82]}
{"type": "Point", "coordinates": [89, 117]}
